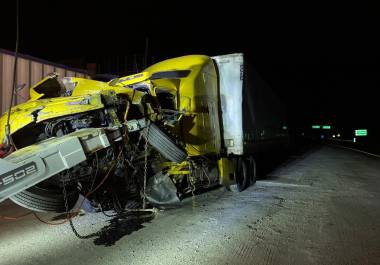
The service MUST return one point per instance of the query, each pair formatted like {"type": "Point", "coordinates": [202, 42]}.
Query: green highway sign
{"type": "Point", "coordinates": [326, 127]}
{"type": "Point", "coordinates": [361, 132]}
{"type": "Point", "coordinates": [316, 126]}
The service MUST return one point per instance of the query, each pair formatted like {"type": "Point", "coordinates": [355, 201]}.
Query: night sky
{"type": "Point", "coordinates": [321, 58]}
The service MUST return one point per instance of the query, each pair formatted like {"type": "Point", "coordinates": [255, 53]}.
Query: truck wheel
{"type": "Point", "coordinates": [162, 142]}
{"type": "Point", "coordinates": [45, 200]}
{"type": "Point", "coordinates": [242, 177]}
{"type": "Point", "coordinates": [251, 169]}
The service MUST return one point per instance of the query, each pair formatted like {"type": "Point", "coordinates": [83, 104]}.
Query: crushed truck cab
{"type": "Point", "coordinates": [180, 125]}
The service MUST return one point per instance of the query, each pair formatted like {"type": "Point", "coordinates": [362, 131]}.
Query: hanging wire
{"type": "Point", "coordinates": [7, 126]}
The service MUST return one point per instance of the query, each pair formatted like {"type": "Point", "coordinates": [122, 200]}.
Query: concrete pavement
{"type": "Point", "coordinates": [322, 207]}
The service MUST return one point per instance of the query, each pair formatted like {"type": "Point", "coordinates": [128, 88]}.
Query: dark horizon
{"type": "Point", "coordinates": [322, 60]}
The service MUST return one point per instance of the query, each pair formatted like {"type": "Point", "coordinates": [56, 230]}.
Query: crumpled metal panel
{"type": "Point", "coordinates": [32, 164]}
{"type": "Point", "coordinates": [43, 109]}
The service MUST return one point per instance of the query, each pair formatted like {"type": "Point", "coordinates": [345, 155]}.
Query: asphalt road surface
{"type": "Point", "coordinates": [322, 207]}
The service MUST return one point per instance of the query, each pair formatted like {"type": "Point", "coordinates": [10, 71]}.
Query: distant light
{"type": "Point", "coordinates": [354, 140]}
{"type": "Point", "coordinates": [316, 126]}
{"type": "Point", "coordinates": [284, 127]}
{"type": "Point", "coordinates": [322, 136]}
{"type": "Point", "coordinates": [326, 127]}
{"type": "Point", "coordinates": [333, 135]}
{"type": "Point", "coordinates": [361, 132]}
{"type": "Point", "coordinates": [338, 135]}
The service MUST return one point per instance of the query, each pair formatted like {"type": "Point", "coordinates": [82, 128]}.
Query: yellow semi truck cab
{"type": "Point", "coordinates": [206, 120]}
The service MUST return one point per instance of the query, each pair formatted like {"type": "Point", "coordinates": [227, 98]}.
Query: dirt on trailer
{"type": "Point", "coordinates": [321, 207]}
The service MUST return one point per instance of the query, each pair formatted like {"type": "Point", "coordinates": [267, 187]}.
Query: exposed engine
{"type": "Point", "coordinates": [157, 143]}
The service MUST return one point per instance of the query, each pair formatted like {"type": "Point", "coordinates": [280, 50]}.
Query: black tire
{"type": "Point", "coordinates": [162, 142]}
{"type": "Point", "coordinates": [242, 176]}
{"type": "Point", "coordinates": [45, 200]}
{"type": "Point", "coordinates": [251, 163]}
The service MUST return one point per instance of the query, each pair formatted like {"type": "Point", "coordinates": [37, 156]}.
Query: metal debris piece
{"type": "Point", "coordinates": [161, 190]}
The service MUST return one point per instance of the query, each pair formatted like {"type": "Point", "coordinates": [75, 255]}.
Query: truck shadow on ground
{"type": "Point", "coordinates": [120, 226]}
{"type": "Point", "coordinates": [267, 165]}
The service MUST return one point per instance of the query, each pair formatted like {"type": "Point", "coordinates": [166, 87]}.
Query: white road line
{"type": "Point", "coordinates": [272, 183]}
{"type": "Point", "coordinates": [357, 150]}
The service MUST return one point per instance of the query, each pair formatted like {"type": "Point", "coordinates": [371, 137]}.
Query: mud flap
{"type": "Point", "coordinates": [161, 190]}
